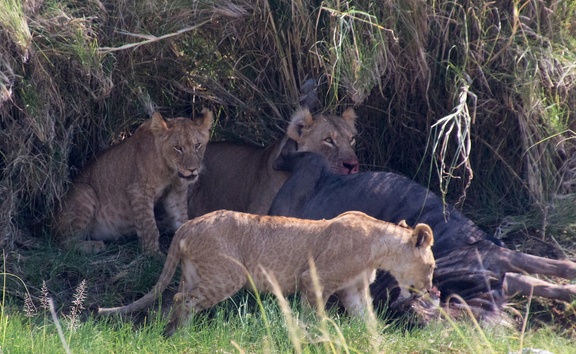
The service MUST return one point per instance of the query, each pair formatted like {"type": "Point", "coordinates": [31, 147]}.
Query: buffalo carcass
{"type": "Point", "coordinates": [470, 263]}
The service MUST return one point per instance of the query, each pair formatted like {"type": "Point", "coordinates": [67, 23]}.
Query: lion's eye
{"type": "Point", "coordinates": [178, 149]}
{"type": "Point", "coordinates": [197, 146]}
{"type": "Point", "coordinates": [329, 141]}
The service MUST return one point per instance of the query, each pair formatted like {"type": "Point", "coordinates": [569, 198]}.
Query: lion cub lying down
{"type": "Point", "coordinates": [218, 251]}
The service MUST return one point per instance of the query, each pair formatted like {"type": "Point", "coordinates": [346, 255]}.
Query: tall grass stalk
{"type": "Point", "coordinates": [355, 50]}
{"type": "Point", "coordinates": [295, 332]}
{"type": "Point", "coordinates": [3, 317]}
{"type": "Point", "coordinates": [58, 326]}
{"type": "Point", "coordinates": [525, 321]}
{"type": "Point", "coordinates": [260, 306]}
{"type": "Point", "coordinates": [450, 157]}
{"type": "Point", "coordinates": [317, 288]}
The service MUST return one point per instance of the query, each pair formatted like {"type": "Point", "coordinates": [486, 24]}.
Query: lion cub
{"type": "Point", "coordinates": [218, 251]}
{"type": "Point", "coordinates": [115, 194]}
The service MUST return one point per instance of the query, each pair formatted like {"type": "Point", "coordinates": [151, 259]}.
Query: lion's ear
{"type": "Point", "coordinates": [350, 116]}
{"type": "Point", "coordinates": [205, 122]}
{"type": "Point", "coordinates": [300, 121]}
{"type": "Point", "coordinates": [422, 237]}
{"type": "Point", "coordinates": [158, 123]}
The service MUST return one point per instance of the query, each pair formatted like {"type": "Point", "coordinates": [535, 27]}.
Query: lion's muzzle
{"type": "Point", "coordinates": [346, 167]}
{"type": "Point", "coordinates": [190, 175]}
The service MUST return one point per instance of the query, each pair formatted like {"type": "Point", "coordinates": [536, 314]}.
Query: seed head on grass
{"type": "Point", "coordinates": [44, 296]}
{"type": "Point", "coordinates": [29, 307]}
{"type": "Point", "coordinates": [77, 305]}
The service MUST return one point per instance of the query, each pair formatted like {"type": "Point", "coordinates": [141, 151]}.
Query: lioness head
{"type": "Point", "coordinates": [414, 272]}
{"type": "Point", "coordinates": [182, 142]}
{"type": "Point", "coordinates": [329, 135]}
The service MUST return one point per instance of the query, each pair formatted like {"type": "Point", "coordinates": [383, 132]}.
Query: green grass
{"type": "Point", "coordinates": [236, 327]}
{"type": "Point", "coordinates": [243, 324]}
{"type": "Point", "coordinates": [13, 19]}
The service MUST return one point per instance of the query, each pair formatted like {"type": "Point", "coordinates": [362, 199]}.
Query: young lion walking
{"type": "Point", "coordinates": [220, 250]}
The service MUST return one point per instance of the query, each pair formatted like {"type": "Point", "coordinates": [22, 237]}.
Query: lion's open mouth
{"type": "Point", "coordinates": [191, 177]}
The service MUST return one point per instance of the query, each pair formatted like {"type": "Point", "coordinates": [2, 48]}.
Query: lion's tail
{"type": "Point", "coordinates": [172, 260]}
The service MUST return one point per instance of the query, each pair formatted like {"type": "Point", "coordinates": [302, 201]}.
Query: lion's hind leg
{"type": "Point", "coordinates": [72, 224]}
{"type": "Point", "coordinates": [182, 309]}
{"type": "Point", "coordinates": [203, 286]}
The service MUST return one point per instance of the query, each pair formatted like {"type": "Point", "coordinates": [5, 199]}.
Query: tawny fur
{"type": "Point", "coordinates": [240, 177]}
{"type": "Point", "coordinates": [220, 250]}
{"type": "Point", "coordinates": [115, 194]}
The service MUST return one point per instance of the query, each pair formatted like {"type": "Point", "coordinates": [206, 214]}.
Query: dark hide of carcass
{"type": "Point", "coordinates": [470, 263]}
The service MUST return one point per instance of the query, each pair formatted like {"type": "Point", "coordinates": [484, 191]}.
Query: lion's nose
{"type": "Point", "coordinates": [351, 166]}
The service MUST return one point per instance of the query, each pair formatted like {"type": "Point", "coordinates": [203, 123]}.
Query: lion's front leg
{"type": "Point", "coordinates": [356, 299]}
{"type": "Point", "coordinates": [142, 203]}
{"type": "Point", "coordinates": [176, 206]}
{"type": "Point", "coordinates": [313, 293]}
